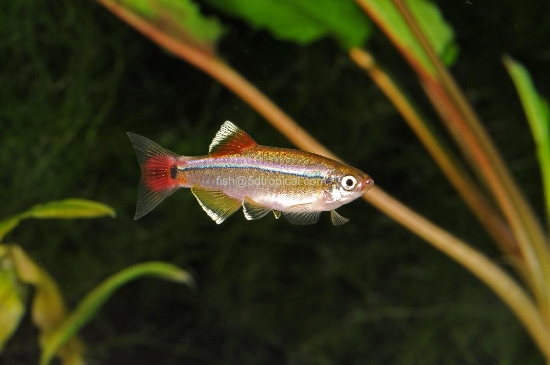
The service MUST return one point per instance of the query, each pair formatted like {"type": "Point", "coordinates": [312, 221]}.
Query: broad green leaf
{"type": "Point", "coordinates": [303, 21]}
{"type": "Point", "coordinates": [69, 208]}
{"type": "Point", "coordinates": [179, 18]}
{"type": "Point", "coordinates": [437, 31]}
{"type": "Point", "coordinates": [538, 116]}
{"type": "Point", "coordinates": [48, 308]}
{"type": "Point", "coordinates": [89, 306]}
{"type": "Point", "coordinates": [7, 225]}
{"type": "Point", "coordinates": [12, 297]}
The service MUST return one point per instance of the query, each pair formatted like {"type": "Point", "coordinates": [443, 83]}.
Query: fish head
{"type": "Point", "coordinates": [345, 185]}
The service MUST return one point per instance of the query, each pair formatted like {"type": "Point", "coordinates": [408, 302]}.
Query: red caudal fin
{"type": "Point", "coordinates": [159, 173]}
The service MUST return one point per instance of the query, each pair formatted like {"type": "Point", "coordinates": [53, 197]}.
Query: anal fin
{"type": "Point", "coordinates": [218, 205]}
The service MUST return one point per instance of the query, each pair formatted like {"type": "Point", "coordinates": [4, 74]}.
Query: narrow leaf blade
{"type": "Point", "coordinates": [87, 308]}
{"type": "Point", "coordinates": [7, 225]}
{"type": "Point", "coordinates": [536, 111]}
{"type": "Point", "coordinates": [69, 208]}
{"type": "Point", "coordinates": [48, 307]}
{"type": "Point", "coordinates": [12, 295]}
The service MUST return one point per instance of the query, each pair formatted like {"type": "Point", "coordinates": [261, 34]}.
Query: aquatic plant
{"type": "Point", "coordinates": [57, 326]}
{"type": "Point", "coordinates": [419, 33]}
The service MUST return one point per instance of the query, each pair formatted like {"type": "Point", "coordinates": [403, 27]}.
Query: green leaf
{"type": "Point", "coordinates": [180, 18]}
{"type": "Point", "coordinates": [538, 116]}
{"type": "Point", "coordinates": [438, 32]}
{"type": "Point", "coordinates": [69, 208]}
{"type": "Point", "coordinates": [7, 225]}
{"type": "Point", "coordinates": [48, 308]}
{"type": "Point", "coordinates": [61, 209]}
{"type": "Point", "coordinates": [303, 21]}
{"type": "Point", "coordinates": [89, 306]}
{"type": "Point", "coordinates": [12, 297]}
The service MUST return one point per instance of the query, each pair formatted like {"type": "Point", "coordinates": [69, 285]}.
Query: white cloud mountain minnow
{"type": "Point", "coordinates": [240, 173]}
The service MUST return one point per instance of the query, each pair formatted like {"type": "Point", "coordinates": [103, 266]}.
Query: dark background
{"type": "Point", "coordinates": [74, 79]}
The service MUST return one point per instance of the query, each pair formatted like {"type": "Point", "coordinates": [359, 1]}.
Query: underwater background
{"type": "Point", "coordinates": [74, 79]}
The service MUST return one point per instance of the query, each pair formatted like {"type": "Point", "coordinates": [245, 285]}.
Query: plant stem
{"type": "Point", "coordinates": [477, 145]}
{"type": "Point", "coordinates": [482, 267]}
{"type": "Point", "coordinates": [457, 176]}
{"type": "Point", "coordinates": [505, 287]}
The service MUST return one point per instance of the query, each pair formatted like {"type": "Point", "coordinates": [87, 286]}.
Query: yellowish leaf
{"type": "Point", "coordinates": [48, 307]}
{"type": "Point", "coordinates": [89, 306]}
{"type": "Point", "coordinates": [7, 225]}
{"type": "Point", "coordinates": [12, 295]}
{"type": "Point", "coordinates": [70, 208]}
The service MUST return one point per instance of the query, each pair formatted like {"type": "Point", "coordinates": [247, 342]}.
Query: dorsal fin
{"type": "Point", "coordinates": [230, 139]}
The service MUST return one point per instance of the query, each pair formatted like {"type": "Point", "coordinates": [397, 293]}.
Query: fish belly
{"type": "Point", "coordinates": [273, 190]}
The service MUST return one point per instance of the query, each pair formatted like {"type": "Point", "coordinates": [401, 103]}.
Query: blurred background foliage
{"type": "Point", "coordinates": [74, 79]}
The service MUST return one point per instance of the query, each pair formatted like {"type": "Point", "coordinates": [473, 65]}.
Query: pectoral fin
{"type": "Point", "coordinates": [216, 204]}
{"type": "Point", "coordinates": [337, 219]}
{"type": "Point", "coordinates": [301, 214]}
{"type": "Point", "coordinates": [253, 210]}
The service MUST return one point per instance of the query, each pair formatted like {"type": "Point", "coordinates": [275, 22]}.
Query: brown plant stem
{"type": "Point", "coordinates": [476, 144]}
{"type": "Point", "coordinates": [532, 270]}
{"type": "Point", "coordinates": [488, 272]}
{"type": "Point", "coordinates": [502, 284]}
{"type": "Point", "coordinates": [458, 177]}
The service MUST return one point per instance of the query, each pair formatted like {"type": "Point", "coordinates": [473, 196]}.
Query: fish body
{"type": "Point", "coordinates": [238, 172]}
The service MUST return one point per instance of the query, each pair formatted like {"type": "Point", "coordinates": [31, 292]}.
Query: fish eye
{"type": "Point", "coordinates": [349, 182]}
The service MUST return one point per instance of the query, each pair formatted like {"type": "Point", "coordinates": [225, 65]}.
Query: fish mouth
{"type": "Point", "coordinates": [366, 184]}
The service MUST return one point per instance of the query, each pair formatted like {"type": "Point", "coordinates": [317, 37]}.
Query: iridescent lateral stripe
{"type": "Point", "coordinates": [247, 163]}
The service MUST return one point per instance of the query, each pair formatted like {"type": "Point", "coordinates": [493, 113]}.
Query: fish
{"type": "Point", "coordinates": [239, 173]}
